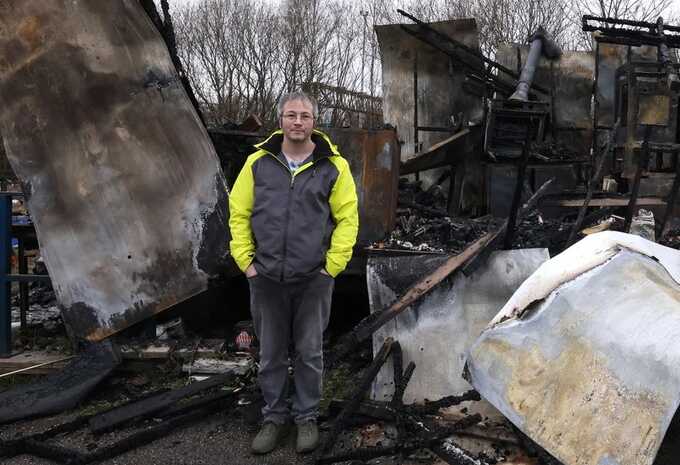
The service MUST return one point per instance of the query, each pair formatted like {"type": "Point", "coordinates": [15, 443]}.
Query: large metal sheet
{"type": "Point", "coordinates": [437, 330]}
{"type": "Point", "coordinates": [584, 358]}
{"type": "Point", "coordinates": [122, 181]}
{"type": "Point", "coordinates": [373, 156]}
{"type": "Point", "coordinates": [440, 84]}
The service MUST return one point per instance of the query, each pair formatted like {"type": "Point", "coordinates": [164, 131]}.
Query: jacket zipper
{"type": "Point", "coordinates": [290, 196]}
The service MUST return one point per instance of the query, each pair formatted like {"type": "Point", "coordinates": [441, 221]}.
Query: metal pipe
{"type": "Point", "coordinates": [540, 45]}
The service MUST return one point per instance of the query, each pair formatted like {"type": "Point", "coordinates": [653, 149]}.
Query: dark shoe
{"type": "Point", "coordinates": [268, 438]}
{"type": "Point", "coordinates": [307, 437]}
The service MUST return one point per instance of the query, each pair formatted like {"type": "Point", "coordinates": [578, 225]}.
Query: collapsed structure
{"type": "Point", "coordinates": [487, 141]}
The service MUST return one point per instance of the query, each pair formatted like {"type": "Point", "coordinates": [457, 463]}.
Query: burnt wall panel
{"type": "Point", "coordinates": [123, 182]}
{"type": "Point", "coordinates": [440, 84]}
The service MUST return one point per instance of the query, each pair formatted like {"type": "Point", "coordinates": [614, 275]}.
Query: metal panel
{"type": "Point", "coordinates": [436, 331]}
{"type": "Point", "coordinates": [584, 357]}
{"type": "Point", "coordinates": [373, 157]}
{"type": "Point", "coordinates": [122, 181]}
{"type": "Point", "coordinates": [440, 85]}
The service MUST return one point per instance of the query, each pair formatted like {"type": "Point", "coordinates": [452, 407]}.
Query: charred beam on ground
{"type": "Point", "coordinates": [432, 442]}
{"type": "Point", "coordinates": [358, 394]}
{"type": "Point", "coordinates": [144, 408]}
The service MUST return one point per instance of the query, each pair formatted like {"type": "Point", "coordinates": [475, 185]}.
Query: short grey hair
{"type": "Point", "coordinates": [298, 95]}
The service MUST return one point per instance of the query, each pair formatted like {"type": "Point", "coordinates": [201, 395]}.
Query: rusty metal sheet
{"type": "Point", "coordinates": [440, 85]}
{"type": "Point", "coordinates": [584, 357]}
{"type": "Point", "coordinates": [122, 181]}
{"type": "Point", "coordinates": [373, 156]}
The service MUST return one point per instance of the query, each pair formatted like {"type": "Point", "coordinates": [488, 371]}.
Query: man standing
{"type": "Point", "coordinates": [294, 221]}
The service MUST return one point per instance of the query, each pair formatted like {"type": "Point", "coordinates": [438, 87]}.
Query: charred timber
{"type": "Point", "coordinates": [404, 447]}
{"type": "Point", "coordinates": [144, 408]}
{"type": "Point", "coordinates": [593, 184]}
{"type": "Point", "coordinates": [358, 394]}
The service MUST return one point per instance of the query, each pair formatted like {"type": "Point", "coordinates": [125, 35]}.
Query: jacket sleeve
{"type": "Point", "coordinates": [344, 210]}
{"type": "Point", "coordinates": [241, 199]}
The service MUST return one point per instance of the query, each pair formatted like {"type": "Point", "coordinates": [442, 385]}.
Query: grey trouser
{"type": "Point", "coordinates": [285, 312]}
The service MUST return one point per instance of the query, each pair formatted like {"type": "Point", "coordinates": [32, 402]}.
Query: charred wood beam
{"type": "Point", "coordinates": [371, 323]}
{"type": "Point", "coordinates": [144, 408]}
{"type": "Point", "coordinates": [592, 185]}
{"type": "Point", "coordinates": [397, 365]}
{"type": "Point", "coordinates": [148, 435]}
{"type": "Point", "coordinates": [375, 410]}
{"type": "Point", "coordinates": [55, 453]}
{"type": "Point", "coordinates": [400, 388]}
{"type": "Point", "coordinates": [444, 402]}
{"type": "Point", "coordinates": [497, 237]}
{"type": "Point", "coordinates": [451, 150]}
{"type": "Point", "coordinates": [358, 394]}
{"type": "Point", "coordinates": [404, 447]}
{"type": "Point", "coordinates": [517, 196]}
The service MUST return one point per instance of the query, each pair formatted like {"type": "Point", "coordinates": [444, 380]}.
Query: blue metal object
{"type": "Point", "coordinates": [5, 251]}
{"type": "Point", "coordinates": [6, 221]}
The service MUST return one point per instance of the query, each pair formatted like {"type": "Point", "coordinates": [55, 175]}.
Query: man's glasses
{"type": "Point", "coordinates": [304, 117]}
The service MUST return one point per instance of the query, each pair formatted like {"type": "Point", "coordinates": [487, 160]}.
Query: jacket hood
{"type": "Point", "coordinates": [324, 146]}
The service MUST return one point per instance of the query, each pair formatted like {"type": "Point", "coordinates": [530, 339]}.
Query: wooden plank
{"type": "Point", "coordinates": [143, 408]}
{"type": "Point", "coordinates": [447, 152]}
{"type": "Point", "coordinates": [604, 202]}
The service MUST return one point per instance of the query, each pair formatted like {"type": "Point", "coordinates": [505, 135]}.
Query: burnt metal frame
{"type": "Point", "coordinates": [6, 278]}
{"type": "Point", "coordinates": [627, 77]}
{"type": "Point", "coordinates": [622, 35]}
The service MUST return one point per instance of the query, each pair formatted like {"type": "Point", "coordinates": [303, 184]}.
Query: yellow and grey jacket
{"type": "Point", "coordinates": [291, 225]}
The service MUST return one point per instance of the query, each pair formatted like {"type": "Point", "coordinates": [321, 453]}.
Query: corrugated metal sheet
{"type": "Point", "coordinates": [124, 185]}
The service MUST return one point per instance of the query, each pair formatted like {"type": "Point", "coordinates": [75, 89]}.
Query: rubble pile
{"type": "Point", "coordinates": [554, 150]}
{"type": "Point", "coordinates": [671, 239]}
{"type": "Point", "coordinates": [43, 313]}
{"type": "Point", "coordinates": [423, 225]}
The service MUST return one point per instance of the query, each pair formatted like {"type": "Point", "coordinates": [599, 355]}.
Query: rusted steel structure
{"type": "Point", "coordinates": [373, 157]}
{"type": "Point", "coordinates": [121, 178]}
